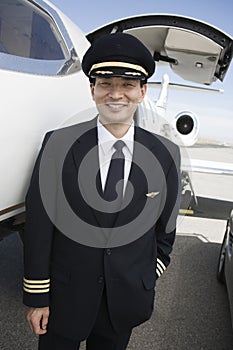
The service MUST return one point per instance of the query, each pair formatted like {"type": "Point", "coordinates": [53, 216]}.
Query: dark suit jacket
{"type": "Point", "coordinates": [70, 252]}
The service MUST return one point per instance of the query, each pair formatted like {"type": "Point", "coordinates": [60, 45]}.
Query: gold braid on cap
{"type": "Point", "coordinates": [119, 65]}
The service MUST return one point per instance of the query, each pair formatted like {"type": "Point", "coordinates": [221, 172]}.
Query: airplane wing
{"type": "Point", "coordinates": [207, 166]}
{"type": "Point", "coordinates": [194, 50]}
{"type": "Point", "coordinates": [157, 84]}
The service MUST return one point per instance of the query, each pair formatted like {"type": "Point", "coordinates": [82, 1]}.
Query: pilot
{"type": "Point", "coordinates": [101, 211]}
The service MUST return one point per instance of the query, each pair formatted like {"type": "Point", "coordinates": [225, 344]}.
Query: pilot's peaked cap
{"type": "Point", "coordinates": [118, 55]}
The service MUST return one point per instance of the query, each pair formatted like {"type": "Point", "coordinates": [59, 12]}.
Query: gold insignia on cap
{"type": "Point", "coordinates": [119, 65]}
{"type": "Point", "coordinates": [103, 72]}
{"type": "Point", "coordinates": [132, 73]}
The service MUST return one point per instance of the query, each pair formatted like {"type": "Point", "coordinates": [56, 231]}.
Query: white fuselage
{"type": "Point", "coordinates": [31, 105]}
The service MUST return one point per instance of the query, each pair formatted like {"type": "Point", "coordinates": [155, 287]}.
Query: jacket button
{"type": "Point", "coordinates": [100, 279]}
{"type": "Point", "coordinates": [108, 251]}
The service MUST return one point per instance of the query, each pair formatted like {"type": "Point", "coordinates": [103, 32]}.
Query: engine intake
{"type": "Point", "coordinates": [186, 126]}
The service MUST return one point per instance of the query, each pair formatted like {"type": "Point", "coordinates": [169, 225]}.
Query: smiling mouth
{"type": "Point", "coordinates": [116, 106]}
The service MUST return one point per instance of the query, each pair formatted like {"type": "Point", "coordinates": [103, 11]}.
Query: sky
{"type": "Point", "coordinates": [215, 111]}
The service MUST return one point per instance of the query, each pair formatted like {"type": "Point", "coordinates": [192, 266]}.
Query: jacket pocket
{"type": "Point", "coordinates": [149, 280]}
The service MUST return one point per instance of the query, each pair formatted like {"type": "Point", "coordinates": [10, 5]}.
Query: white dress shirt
{"type": "Point", "coordinates": [105, 147]}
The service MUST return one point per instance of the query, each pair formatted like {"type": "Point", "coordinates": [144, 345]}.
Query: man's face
{"type": "Point", "coordinates": [117, 98]}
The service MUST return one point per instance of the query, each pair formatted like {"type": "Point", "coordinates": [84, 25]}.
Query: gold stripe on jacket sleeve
{"type": "Point", "coordinates": [36, 281]}
{"type": "Point", "coordinates": [36, 286]}
{"type": "Point", "coordinates": [36, 290]}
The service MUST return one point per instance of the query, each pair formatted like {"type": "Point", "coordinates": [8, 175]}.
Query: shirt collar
{"type": "Point", "coordinates": [106, 139]}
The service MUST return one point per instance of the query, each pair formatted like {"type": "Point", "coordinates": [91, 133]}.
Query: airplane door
{"type": "Point", "coordinates": [194, 50]}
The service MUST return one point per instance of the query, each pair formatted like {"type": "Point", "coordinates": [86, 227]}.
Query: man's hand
{"type": "Point", "coordinates": [38, 319]}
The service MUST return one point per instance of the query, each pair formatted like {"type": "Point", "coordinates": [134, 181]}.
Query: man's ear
{"type": "Point", "coordinates": [92, 87]}
{"type": "Point", "coordinates": [143, 92]}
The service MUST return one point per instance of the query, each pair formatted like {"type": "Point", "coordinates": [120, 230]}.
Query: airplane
{"type": "Point", "coordinates": [44, 88]}
{"type": "Point", "coordinates": [183, 129]}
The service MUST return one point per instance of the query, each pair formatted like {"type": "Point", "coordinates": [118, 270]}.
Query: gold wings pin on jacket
{"type": "Point", "coordinates": [152, 194]}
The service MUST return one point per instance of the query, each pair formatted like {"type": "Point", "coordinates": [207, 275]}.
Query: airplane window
{"type": "Point", "coordinates": [27, 31]}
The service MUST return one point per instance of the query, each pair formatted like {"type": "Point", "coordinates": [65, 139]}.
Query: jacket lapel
{"type": "Point", "coordinates": [86, 159]}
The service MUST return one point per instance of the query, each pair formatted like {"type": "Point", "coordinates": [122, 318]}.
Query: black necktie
{"type": "Point", "coordinates": [115, 174]}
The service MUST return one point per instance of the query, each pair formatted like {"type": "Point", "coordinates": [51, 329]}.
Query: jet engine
{"type": "Point", "coordinates": [186, 127]}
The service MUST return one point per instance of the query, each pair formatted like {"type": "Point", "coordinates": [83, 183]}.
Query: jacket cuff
{"type": "Point", "coordinates": [36, 292]}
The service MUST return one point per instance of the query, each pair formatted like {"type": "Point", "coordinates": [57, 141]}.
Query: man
{"type": "Point", "coordinates": [101, 211]}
